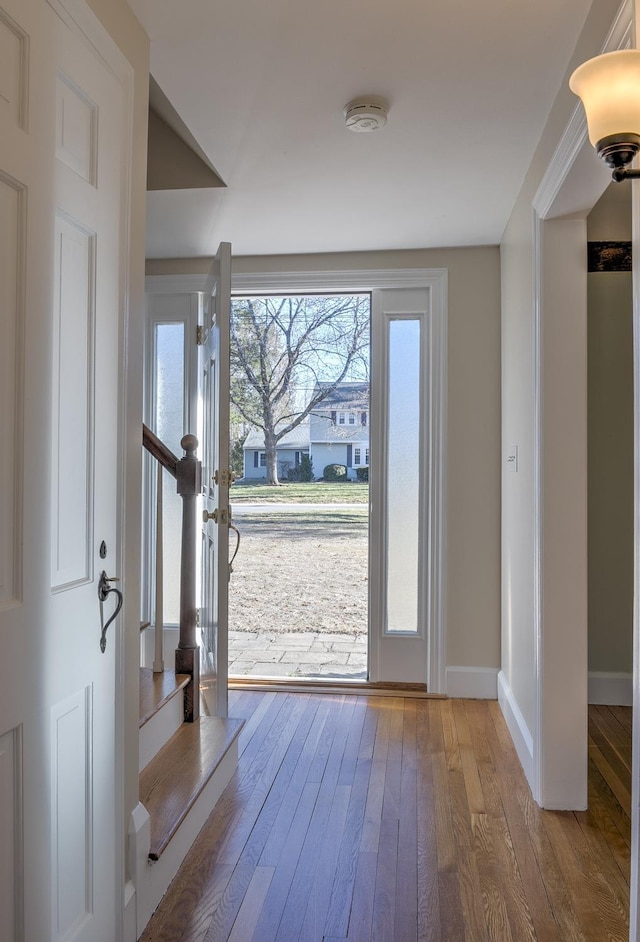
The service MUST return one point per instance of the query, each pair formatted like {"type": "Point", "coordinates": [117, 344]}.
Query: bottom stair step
{"type": "Point", "coordinates": [158, 689]}
{"type": "Point", "coordinates": [171, 783]}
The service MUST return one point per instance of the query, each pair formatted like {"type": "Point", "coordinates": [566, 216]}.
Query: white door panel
{"type": "Point", "coordinates": [63, 132]}
{"type": "Point", "coordinates": [214, 436]}
{"type": "Point", "coordinates": [400, 486]}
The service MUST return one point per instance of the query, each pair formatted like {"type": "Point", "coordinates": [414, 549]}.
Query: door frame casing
{"type": "Point", "coordinates": [435, 280]}
{"type": "Point", "coordinates": [557, 763]}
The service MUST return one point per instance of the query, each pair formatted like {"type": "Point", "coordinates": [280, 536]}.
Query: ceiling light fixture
{"type": "Point", "coordinates": [609, 87]}
{"type": "Point", "coordinates": [366, 114]}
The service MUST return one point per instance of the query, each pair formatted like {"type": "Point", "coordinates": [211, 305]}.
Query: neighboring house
{"type": "Point", "coordinates": [290, 449]}
{"type": "Point", "coordinates": [339, 429]}
{"type": "Point", "coordinates": [337, 432]}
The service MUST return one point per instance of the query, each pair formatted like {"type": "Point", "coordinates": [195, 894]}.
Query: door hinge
{"type": "Point", "coordinates": [223, 477]}
{"type": "Point", "coordinates": [201, 335]}
{"type": "Point", "coordinates": [197, 618]}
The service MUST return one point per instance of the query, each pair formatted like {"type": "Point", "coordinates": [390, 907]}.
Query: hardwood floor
{"type": "Point", "coordinates": [371, 818]}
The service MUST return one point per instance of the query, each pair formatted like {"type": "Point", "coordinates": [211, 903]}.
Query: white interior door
{"type": "Point", "coordinates": [214, 436]}
{"type": "Point", "coordinates": [63, 172]}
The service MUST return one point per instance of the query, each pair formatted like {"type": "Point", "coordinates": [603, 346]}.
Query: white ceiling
{"type": "Point", "coordinates": [261, 85]}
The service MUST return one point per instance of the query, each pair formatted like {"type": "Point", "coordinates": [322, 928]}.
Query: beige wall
{"type": "Point", "coordinates": [518, 390]}
{"type": "Point", "coordinates": [473, 432]}
{"type": "Point", "coordinates": [610, 452]}
{"type": "Point", "coordinates": [117, 17]}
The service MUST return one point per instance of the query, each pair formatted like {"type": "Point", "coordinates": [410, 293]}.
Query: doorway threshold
{"type": "Point", "coordinates": [349, 686]}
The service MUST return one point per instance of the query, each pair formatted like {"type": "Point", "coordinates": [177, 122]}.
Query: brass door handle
{"type": "Point", "coordinates": [217, 515]}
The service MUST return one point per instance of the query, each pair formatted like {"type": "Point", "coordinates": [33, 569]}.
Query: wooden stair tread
{"type": "Point", "coordinates": [157, 689]}
{"type": "Point", "coordinates": [175, 777]}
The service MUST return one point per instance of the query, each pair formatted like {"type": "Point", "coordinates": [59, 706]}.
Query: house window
{"type": "Point", "coordinates": [341, 418]}
{"type": "Point", "coordinates": [297, 459]}
{"type": "Point", "coordinates": [403, 464]}
{"type": "Point", "coordinates": [263, 459]}
{"type": "Point", "coordinates": [352, 418]}
{"type": "Point", "coordinates": [366, 456]}
{"type": "Point", "coordinates": [363, 418]}
{"type": "Point", "coordinates": [169, 422]}
{"type": "Point", "coordinates": [356, 455]}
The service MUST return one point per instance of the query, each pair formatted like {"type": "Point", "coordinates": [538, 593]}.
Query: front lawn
{"type": "Point", "coordinates": [315, 492]}
{"type": "Point", "coordinates": [301, 571]}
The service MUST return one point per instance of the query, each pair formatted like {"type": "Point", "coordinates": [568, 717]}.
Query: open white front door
{"type": "Point", "coordinates": [64, 157]}
{"type": "Point", "coordinates": [214, 437]}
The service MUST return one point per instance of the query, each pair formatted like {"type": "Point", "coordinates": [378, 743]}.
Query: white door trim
{"type": "Point", "coordinates": [435, 281]}
{"type": "Point", "coordinates": [634, 915]}
{"type": "Point", "coordinates": [572, 183]}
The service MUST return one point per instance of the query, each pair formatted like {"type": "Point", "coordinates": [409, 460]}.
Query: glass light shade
{"type": "Point", "coordinates": [609, 87]}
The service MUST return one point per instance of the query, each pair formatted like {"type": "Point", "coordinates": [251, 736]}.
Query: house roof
{"type": "Point", "coordinates": [344, 396]}
{"type": "Point", "coordinates": [298, 438]}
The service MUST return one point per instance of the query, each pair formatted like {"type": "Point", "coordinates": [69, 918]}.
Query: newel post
{"type": "Point", "coordinates": [188, 653]}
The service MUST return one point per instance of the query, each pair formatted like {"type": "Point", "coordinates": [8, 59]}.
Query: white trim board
{"type": "Point", "coordinates": [570, 186]}
{"type": "Point", "coordinates": [610, 688]}
{"type": "Point", "coordinates": [472, 683]}
{"type": "Point", "coordinates": [356, 280]}
{"type": "Point", "coordinates": [435, 280]}
{"type": "Point", "coordinates": [516, 724]}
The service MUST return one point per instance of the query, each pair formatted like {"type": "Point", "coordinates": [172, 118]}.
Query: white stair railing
{"type": "Point", "coordinates": [158, 659]}
{"type": "Point", "coordinates": [188, 472]}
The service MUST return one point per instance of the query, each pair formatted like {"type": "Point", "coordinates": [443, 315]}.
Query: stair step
{"type": "Point", "coordinates": [158, 689]}
{"type": "Point", "coordinates": [174, 779]}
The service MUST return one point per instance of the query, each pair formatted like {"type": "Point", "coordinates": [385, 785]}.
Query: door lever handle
{"type": "Point", "coordinates": [104, 589]}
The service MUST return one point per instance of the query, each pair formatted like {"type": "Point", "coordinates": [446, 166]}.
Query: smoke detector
{"type": "Point", "coordinates": [366, 114]}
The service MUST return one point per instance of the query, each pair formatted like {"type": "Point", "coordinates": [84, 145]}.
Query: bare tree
{"type": "Point", "coordinates": [289, 353]}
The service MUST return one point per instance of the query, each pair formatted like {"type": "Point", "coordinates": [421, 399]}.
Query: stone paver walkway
{"type": "Point", "coordinates": [297, 654]}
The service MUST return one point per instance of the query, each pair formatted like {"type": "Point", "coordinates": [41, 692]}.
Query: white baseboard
{"type": "Point", "coordinates": [472, 683]}
{"type": "Point", "coordinates": [610, 688]}
{"type": "Point", "coordinates": [129, 930]}
{"type": "Point", "coordinates": [518, 729]}
{"type": "Point", "coordinates": [138, 859]}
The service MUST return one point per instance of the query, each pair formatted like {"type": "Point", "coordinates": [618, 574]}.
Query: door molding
{"type": "Point", "coordinates": [435, 281]}
{"type": "Point", "coordinates": [571, 184]}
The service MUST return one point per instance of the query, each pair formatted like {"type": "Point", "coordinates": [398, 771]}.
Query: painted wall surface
{"type": "Point", "coordinates": [331, 453]}
{"type": "Point", "coordinates": [286, 460]}
{"type": "Point", "coordinates": [473, 426]}
{"type": "Point", "coordinates": [610, 436]}
{"type": "Point", "coordinates": [519, 393]}
{"type": "Point", "coordinates": [118, 19]}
